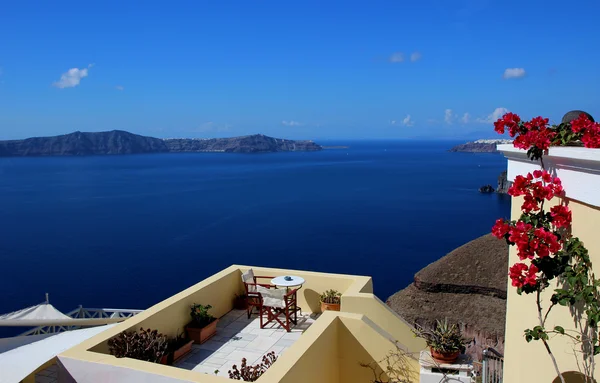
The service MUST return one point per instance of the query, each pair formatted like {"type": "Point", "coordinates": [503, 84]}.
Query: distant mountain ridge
{"type": "Point", "coordinates": [122, 142]}
{"type": "Point", "coordinates": [480, 146]}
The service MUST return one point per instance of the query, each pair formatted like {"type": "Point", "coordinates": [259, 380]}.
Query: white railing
{"type": "Point", "coordinates": [84, 313]}
{"type": "Point", "coordinates": [493, 363]}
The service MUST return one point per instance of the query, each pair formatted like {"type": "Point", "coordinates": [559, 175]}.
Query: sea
{"type": "Point", "coordinates": [128, 231]}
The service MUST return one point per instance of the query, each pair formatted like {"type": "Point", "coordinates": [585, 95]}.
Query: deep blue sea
{"type": "Point", "coordinates": [129, 231]}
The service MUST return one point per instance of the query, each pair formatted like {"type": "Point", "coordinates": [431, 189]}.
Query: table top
{"type": "Point", "coordinates": [280, 281]}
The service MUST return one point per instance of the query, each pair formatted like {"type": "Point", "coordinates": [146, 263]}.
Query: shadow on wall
{"type": "Point", "coordinates": [313, 300]}
{"type": "Point", "coordinates": [573, 377]}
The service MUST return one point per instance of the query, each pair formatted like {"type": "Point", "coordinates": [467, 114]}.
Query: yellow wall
{"type": "Point", "coordinates": [386, 318]}
{"type": "Point", "coordinates": [318, 362]}
{"type": "Point", "coordinates": [31, 377]}
{"type": "Point", "coordinates": [321, 352]}
{"type": "Point", "coordinates": [171, 315]}
{"type": "Point", "coordinates": [529, 362]}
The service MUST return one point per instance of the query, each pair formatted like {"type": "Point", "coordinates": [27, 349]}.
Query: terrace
{"type": "Point", "coordinates": [241, 337]}
{"type": "Point", "coordinates": [321, 347]}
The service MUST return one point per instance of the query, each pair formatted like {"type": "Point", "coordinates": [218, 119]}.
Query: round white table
{"type": "Point", "coordinates": [282, 282]}
{"type": "Point", "coordinates": [287, 283]}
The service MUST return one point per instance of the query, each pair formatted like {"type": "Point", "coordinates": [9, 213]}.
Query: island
{"type": "Point", "coordinates": [122, 142]}
{"type": "Point", "coordinates": [480, 146]}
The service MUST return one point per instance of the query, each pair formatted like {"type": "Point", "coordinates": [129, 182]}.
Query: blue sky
{"type": "Point", "coordinates": [305, 69]}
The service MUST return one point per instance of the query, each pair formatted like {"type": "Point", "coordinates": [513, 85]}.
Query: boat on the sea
{"type": "Point", "coordinates": [50, 333]}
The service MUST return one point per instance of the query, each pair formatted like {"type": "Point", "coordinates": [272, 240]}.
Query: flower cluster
{"type": "Point", "coordinates": [535, 188]}
{"type": "Point", "coordinates": [535, 234]}
{"type": "Point", "coordinates": [522, 275]}
{"type": "Point", "coordinates": [530, 133]}
{"type": "Point", "coordinates": [537, 134]}
{"type": "Point", "coordinates": [531, 242]}
{"type": "Point", "coordinates": [590, 131]}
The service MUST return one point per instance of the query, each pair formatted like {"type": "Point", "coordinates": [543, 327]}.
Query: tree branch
{"type": "Point", "coordinates": [539, 306]}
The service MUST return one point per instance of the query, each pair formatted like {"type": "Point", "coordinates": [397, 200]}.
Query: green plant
{"type": "Point", "coordinates": [443, 337]}
{"type": "Point", "coordinates": [331, 297]}
{"type": "Point", "coordinates": [252, 373]}
{"type": "Point", "coordinates": [200, 315]}
{"type": "Point", "coordinates": [549, 255]}
{"type": "Point", "coordinates": [148, 345]}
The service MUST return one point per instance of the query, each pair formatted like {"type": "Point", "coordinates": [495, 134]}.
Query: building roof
{"type": "Point", "coordinates": [17, 363]}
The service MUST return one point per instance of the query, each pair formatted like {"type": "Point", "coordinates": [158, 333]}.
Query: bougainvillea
{"type": "Point", "coordinates": [545, 246]}
{"type": "Point", "coordinates": [536, 136]}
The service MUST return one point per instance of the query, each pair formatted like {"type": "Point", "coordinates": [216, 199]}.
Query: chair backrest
{"type": "Point", "coordinates": [248, 277]}
{"type": "Point", "coordinates": [272, 297]}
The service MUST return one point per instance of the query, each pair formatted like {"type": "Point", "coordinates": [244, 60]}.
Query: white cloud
{"type": "Point", "coordinates": [415, 56]}
{"type": "Point", "coordinates": [397, 57]}
{"type": "Point", "coordinates": [291, 123]}
{"type": "Point", "coordinates": [408, 121]}
{"type": "Point", "coordinates": [72, 77]}
{"type": "Point", "coordinates": [513, 73]}
{"type": "Point", "coordinates": [494, 116]}
{"type": "Point", "coordinates": [466, 118]}
{"type": "Point", "coordinates": [119, 87]}
{"type": "Point", "coordinates": [448, 116]}
{"type": "Point", "coordinates": [393, 122]}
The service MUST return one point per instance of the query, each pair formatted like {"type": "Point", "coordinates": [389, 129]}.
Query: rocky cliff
{"type": "Point", "coordinates": [121, 142]}
{"type": "Point", "coordinates": [257, 143]}
{"type": "Point", "coordinates": [503, 183]}
{"type": "Point", "coordinates": [79, 143]}
{"type": "Point", "coordinates": [479, 146]}
{"type": "Point", "coordinates": [467, 286]}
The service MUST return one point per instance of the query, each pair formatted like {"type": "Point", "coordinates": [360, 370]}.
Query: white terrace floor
{"type": "Point", "coordinates": [239, 337]}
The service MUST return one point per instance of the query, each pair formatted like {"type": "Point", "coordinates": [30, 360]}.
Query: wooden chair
{"type": "Point", "coordinates": [253, 298]}
{"type": "Point", "coordinates": [278, 305]}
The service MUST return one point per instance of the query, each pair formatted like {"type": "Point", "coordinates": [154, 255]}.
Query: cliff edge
{"type": "Point", "coordinates": [467, 286]}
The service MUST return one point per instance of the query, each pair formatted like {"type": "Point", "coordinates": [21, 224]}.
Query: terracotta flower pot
{"type": "Point", "coordinates": [201, 335]}
{"type": "Point", "coordinates": [173, 357]}
{"type": "Point", "coordinates": [330, 306]}
{"type": "Point", "coordinates": [445, 357]}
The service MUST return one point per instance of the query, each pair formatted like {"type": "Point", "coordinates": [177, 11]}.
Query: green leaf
{"type": "Point", "coordinates": [559, 330]}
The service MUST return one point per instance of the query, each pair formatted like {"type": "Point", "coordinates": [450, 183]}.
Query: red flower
{"type": "Point", "coordinates": [581, 123]}
{"type": "Point", "coordinates": [536, 123]}
{"type": "Point", "coordinates": [521, 275]}
{"type": "Point", "coordinates": [591, 136]}
{"type": "Point", "coordinates": [531, 277]}
{"type": "Point", "coordinates": [546, 242]}
{"type": "Point", "coordinates": [529, 204]}
{"type": "Point", "coordinates": [519, 235]}
{"type": "Point", "coordinates": [500, 228]}
{"type": "Point", "coordinates": [520, 185]}
{"type": "Point", "coordinates": [510, 121]}
{"type": "Point", "coordinates": [561, 216]}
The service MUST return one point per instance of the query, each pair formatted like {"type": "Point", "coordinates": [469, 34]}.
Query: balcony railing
{"type": "Point", "coordinates": [83, 313]}
{"type": "Point", "coordinates": [493, 363]}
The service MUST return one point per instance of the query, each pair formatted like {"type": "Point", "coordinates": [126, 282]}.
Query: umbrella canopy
{"type": "Point", "coordinates": [42, 311]}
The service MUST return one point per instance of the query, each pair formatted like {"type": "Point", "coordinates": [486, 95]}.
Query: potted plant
{"type": "Point", "coordinates": [177, 348]}
{"type": "Point", "coordinates": [331, 300]}
{"type": "Point", "coordinates": [203, 325]}
{"type": "Point", "coordinates": [240, 302]}
{"type": "Point", "coordinates": [444, 340]}
{"type": "Point", "coordinates": [148, 345]}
